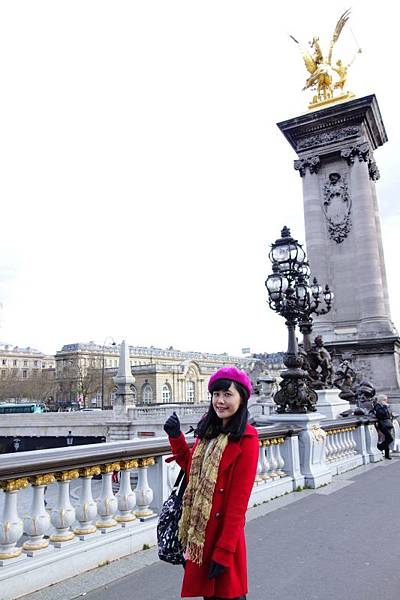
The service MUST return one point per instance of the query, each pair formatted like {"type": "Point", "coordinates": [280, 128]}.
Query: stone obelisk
{"type": "Point", "coordinates": [335, 148]}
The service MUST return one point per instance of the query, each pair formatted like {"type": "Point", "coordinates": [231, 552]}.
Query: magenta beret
{"type": "Point", "coordinates": [233, 374]}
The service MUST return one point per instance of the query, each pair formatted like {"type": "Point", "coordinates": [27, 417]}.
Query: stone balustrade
{"type": "Point", "coordinates": [81, 533]}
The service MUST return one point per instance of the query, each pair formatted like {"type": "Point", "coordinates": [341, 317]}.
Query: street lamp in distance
{"type": "Point", "coordinates": [69, 438]}
{"type": "Point", "coordinates": [16, 443]}
{"type": "Point", "coordinates": [102, 367]}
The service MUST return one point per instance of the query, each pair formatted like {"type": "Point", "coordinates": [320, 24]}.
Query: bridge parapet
{"type": "Point", "coordinates": [82, 532]}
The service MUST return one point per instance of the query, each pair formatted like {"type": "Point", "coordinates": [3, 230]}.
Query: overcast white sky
{"type": "Point", "coordinates": [143, 175]}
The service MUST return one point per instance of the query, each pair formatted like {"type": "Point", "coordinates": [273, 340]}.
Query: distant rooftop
{"type": "Point", "coordinates": [4, 347]}
{"type": "Point", "coordinates": [150, 351]}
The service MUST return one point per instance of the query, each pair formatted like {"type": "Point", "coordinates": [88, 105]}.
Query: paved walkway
{"type": "Point", "coordinates": [339, 542]}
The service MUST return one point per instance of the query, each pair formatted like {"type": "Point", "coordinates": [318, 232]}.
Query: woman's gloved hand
{"type": "Point", "coordinates": [172, 426]}
{"type": "Point", "coordinates": [215, 570]}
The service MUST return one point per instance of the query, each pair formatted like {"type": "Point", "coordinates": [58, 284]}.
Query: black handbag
{"type": "Point", "coordinates": [169, 546]}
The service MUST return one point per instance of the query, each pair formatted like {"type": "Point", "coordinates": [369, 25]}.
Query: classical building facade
{"type": "Point", "coordinates": [22, 363]}
{"type": "Point", "coordinates": [161, 375]}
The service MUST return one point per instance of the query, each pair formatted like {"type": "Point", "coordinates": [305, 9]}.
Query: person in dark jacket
{"type": "Point", "coordinates": [221, 468]}
{"type": "Point", "coordinates": [381, 410]}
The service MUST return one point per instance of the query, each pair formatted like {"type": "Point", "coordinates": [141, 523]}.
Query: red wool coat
{"type": "Point", "coordinates": [224, 539]}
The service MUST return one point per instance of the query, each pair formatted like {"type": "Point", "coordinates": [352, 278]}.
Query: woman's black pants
{"type": "Point", "coordinates": [388, 433]}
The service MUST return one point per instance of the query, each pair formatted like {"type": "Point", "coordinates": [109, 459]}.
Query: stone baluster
{"type": "Point", "coordinates": [107, 504]}
{"type": "Point", "coordinates": [347, 441]}
{"type": "Point", "coordinates": [335, 449]}
{"type": "Point", "coordinates": [173, 470]}
{"type": "Point", "coordinates": [144, 493]}
{"type": "Point", "coordinates": [346, 449]}
{"type": "Point", "coordinates": [353, 441]}
{"type": "Point", "coordinates": [272, 460]}
{"type": "Point", "coordinates": [328, 447]}
{"type": "Point", "coordinates": [258, 478]}
{"type": "Point", "coordinates": [339, 443]}
{"type": "Point", "coordinates": [11, 527]}
{"type": "Point", "coordinates": [63, 515]}
{"type": "Point", "coordinates": [342, 449]}
{"type": "Point", "coordinates": [86, 510]}
{"type": "Point", "coordinates": [265, 466]}
{"type": "Point", "coordinates": [279, 457]}
{"type": "Point", "coordinates": [37, 523]}
{"type": "Point", "coordinates": [126, 496]}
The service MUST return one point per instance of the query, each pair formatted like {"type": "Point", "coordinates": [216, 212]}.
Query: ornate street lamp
{"type": "Point", "coordinates": [16, 443]}
{"type": "Point", "coordinates": [69, 438]}
{"type": "Point", "coordinates": [291, 296]}
{"type": "Point", "coordinates": [102, 367]}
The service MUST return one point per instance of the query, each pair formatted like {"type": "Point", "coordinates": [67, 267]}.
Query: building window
{"type": "Point", "coordinates": [43, 365]}
{"type": "Point", "coordinates": [25, 363]}
{"type": "Point", "coordinates": [4, 362]}
{"type": "Point", "coordinates": [166, 393]}
{"type": "Point", "coordinates": [24, 374]}
{"type": "Point", "coordinates": [147, 394]}
{"type": "Point", "coordinates": [3, 372]}
{"type": "Point", "coordinates": [190, 391]}
{"type": "Point", "coordinates": [133, 390]}
{"type": "Point", "coordinates": [14, 363]}
{"type": "Point", "coordinates": [35, 363]}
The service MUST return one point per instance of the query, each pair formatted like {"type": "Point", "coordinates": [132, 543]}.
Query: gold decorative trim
{"type": "Point", "coordinates": [112, 523]}
{"type": "Point", "coordinates": [13, 554]}
{"type": "Point", "coordinates": [318, 434]}
{"type": "Point", "coordinates": [61, 538]}
{"type": "Point", "coordinates": [88, 531]}
{"type": "Point", "coordinates": [33, 547]}
{"type": "Point", "coordinates": [90, 471]}
{"type": "Point", "coordinates": [130, 463]}
{"type": "Point", "coordinates": [13, 485]}
{"type": "Point", "coordinates": [146, 462]}
{"type": "Point", "coordinates": [110, 468]}
{"type": "Point", "coordinates": [125, 518]}
{"type": "Point", "coordinates": [67, 475]}
{"type": "Point", "coordinates": [144, 513]}
{"type": "Point", "coordinates": [38, 480]}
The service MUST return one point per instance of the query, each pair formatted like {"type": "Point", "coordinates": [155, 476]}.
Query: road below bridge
{"type": "Point", "coordinates": [341, 541]}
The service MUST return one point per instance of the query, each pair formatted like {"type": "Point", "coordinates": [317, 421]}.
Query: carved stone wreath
{"type": "Point", "coordinates": [337, 207]}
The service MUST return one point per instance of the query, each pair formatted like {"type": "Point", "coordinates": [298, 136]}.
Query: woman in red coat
{"type": "Point", "coordinates": [220, 468]}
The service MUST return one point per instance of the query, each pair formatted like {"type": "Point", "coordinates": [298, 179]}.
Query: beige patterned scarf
{"type": "Point", "coordinates": [197, 499]}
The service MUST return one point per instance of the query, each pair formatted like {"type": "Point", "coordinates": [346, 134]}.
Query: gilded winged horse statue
{"type": "Point", "coordinates": [325, 77]}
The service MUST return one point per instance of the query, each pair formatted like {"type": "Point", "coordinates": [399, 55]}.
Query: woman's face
{"type": "Point", "coordinates": [226, 403]}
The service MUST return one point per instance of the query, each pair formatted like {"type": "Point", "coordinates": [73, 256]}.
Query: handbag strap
{"type": "Point", "coordinates": [180, 483]}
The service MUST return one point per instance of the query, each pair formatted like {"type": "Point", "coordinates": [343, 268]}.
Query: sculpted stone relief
{"type": "Point", "coordinates": [327, 137]}
{"type": "Point", "coordinates": [337, 207]}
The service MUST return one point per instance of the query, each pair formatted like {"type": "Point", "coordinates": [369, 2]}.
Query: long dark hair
{"type": "Point", "coordinates": [210, 426]}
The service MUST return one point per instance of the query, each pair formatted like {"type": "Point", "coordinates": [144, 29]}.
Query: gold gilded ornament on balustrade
{"type": "Point", "coordinates": [318, 434]}
{"type": "Point", "coordinates": [13, 554]}
{"type": "Point", "coordinates": [13, 485]}
{"type": "Point", "coordinates": [267, 442]}
{"type": "Point", "coordinates": [67, 475]}
{"type": "Point", "coordinates": [45, 479]}
{"type": "Point", "coordinates": [146, 462]}
{"type": "Point", "coordinates": [131, 463]}
{"type": "Point", "coordinates": [90, 471]}
{"type": "Point", "coordinates": [110, 468]}
{"type": "Point", "coordinates": [327, 78]}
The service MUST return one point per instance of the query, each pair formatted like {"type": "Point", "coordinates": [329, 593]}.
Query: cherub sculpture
{"type": "Point", "coordinates": [324, 77]}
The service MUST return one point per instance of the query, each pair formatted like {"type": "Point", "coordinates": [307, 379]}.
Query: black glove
{"type": "Point", "coordinates": [172, 426]}
{"type": "Point", "coordinates": [215, 570]}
